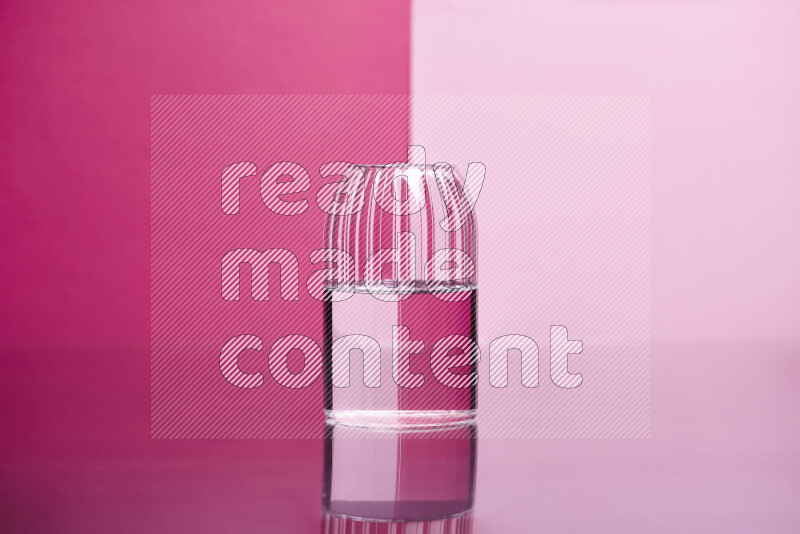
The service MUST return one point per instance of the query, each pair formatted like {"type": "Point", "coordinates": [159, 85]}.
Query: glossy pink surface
{"type": "Point", "coordinates": [721, 459]}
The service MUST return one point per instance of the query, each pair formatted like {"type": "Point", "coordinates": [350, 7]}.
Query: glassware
{"type": "Point", "coordinates": [400, 351]}
{"type": "Point", "coordinates": [400, 303]}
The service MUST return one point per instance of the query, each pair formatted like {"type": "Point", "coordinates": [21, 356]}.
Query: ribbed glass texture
{"type": "Point", "coordinates": [400, 306]}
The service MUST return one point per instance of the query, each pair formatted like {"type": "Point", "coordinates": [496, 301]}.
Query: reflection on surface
{"type": "Point", "coordinates": [390, 481]}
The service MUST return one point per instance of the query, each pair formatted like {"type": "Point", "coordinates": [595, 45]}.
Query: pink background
{"type": "Point", "coordinates": [77, 81]}
{"type": "Point", "coordinates": [725, 267]}
{"type": "Point", "coordinates": [76, 85]}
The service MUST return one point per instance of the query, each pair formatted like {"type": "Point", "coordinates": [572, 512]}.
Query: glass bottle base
{"type": "Point", "coordinates": [401, 420]}
{"type": "Point", "coordinates": [338, 524]}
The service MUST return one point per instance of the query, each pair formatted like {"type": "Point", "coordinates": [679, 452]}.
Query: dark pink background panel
{"type": "Point", "coordinates": [77, 81]}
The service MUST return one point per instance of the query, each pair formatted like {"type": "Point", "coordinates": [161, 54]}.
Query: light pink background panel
{"type": "Point", "coordinates": [725, 126]}
{"type": "Point", "coordinates": [725, 270]}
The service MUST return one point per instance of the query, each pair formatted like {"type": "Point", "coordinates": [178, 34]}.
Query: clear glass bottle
{"type": "Point", "coordinates": [400, 305]}
{"type": "Point", "coordinates": [400, 351]}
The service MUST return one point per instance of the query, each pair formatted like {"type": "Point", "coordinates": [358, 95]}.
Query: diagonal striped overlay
{"type": "Point", "coordinates": [208, 153]}
{"type": "Point", "coordinates": [564, 256]}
